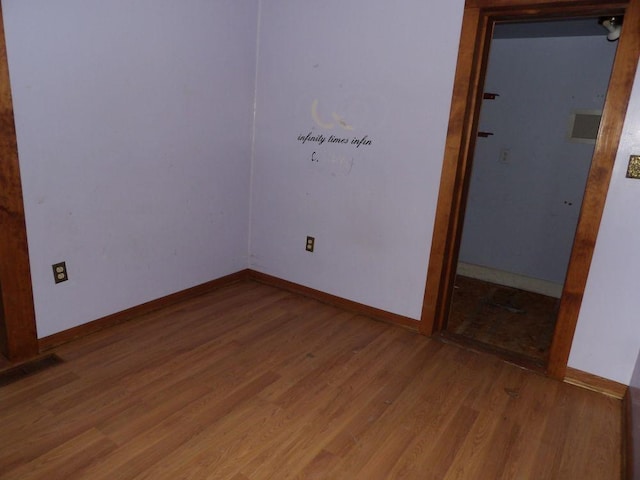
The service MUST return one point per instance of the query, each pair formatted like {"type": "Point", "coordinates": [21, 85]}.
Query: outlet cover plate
{"type": "Point", "coordinates": [60, 272]}
{"type": "Point", "coordinates": [311, 241]}
{"type": "Point", "coordinates": [633, 170]}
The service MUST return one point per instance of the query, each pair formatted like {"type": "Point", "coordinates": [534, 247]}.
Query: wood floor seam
{"type": "Point", "coordinates": [251, 382]}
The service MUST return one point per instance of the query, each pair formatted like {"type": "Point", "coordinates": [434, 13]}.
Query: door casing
{"type": "Point", "coordinates": [477, 30]}
{"type": "Point", "coordinates": [18, 336]}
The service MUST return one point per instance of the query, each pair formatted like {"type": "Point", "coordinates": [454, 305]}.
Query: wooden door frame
{"type": "Point", "coordinates": [18, 336]}
{"type": "Point", "coordinates": [477, 30]}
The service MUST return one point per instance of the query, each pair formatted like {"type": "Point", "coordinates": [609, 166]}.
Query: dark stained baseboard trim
{"type": "Point", "coordinates": [573, 376]}
{"type": "Point", "coordinates": [595, 383]}
{"type": "Point", "coordinates": [65, 336]}
{"type": "Point", "coordinates": [359, 308]}
{"type": "Point", "coordinates": [627, 437]}
{"type": "Point", "coordinates": [51, 341]}
{"type": "Point", "coordinates": [21, 370]}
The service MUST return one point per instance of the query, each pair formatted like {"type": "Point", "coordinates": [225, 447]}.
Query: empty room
{"type": "Point", "coordinates": [232, 239]}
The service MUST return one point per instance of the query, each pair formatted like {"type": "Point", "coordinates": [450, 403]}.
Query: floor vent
{"type": "Point", "coordinates": [18, 372]}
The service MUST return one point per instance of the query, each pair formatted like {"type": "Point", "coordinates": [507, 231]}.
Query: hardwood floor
{"type": "Point", "coordinates": [252, 382]}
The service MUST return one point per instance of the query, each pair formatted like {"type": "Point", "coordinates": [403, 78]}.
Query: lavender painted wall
{"type": "Point", "coordinates": [522, 210]}
{"type": "Point", "coordinates": [365, 68]}
{"type": "Point", "coordinates": [134, 124]}
{"type": "Point", "coordinates": [134, 133]}
{"type": "Point", "coordinates": [634, 424]}
{"type": "Point", "coordinates": [607, 337]}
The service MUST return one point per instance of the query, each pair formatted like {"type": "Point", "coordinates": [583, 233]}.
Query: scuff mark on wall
{"type": "Point", "coordinates": [316, 117]}
{"type": "Point", "coordinates": [332, 163]}
{"type": "Point", "coordinates": [341, 121]}
{"type": "Point", "coordinates": [326, 125]}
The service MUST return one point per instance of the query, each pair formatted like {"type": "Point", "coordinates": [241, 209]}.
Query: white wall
{"type": "Point", "coordinates": [134, 124]}
{"type": "Point", "coordinates": [371, 209]}
{"type": "Point", "coordinates": [522, 210]}
{"type": "Point", "coordinates": [607, 338]}
{"type": "Point", "coordinates": [386, 70]}
{"type": "Point", "coordinates": [134, 134]}
{"type": "Point", "coordinates": [633, 397]}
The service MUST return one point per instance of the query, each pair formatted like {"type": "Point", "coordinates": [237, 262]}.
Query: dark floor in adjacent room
{"type": "Point", "coordinates": [503, 319]}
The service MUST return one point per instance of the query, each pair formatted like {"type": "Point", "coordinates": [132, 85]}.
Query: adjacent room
{"type": "Point", "coordinates": [529, 173]}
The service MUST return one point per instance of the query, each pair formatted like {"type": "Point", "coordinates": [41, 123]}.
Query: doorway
{"type": "Point", "coordinates": [480, 17]}
{"type": "Point", "coordinates": [544, 90]}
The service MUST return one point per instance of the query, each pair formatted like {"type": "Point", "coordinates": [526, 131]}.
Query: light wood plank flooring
{"type": "Point", "coordinates": [252, 382]}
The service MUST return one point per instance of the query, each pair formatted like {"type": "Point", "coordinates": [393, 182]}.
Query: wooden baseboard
{"type": "Point", "coordinates": [65, 336]}
{"type": "Point", "coordinates": [359, 308]}
{"type": "Point", "coordinates": [628, 463]}
{"type": "Point", "coordinates": [51, 341]}
{"type": "Point", "coordinates": [509, 279]}
{"type": "Point", "coordinates": [595, 383]}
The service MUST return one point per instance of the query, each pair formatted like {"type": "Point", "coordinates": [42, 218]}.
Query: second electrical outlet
{"type": "Point", "coordinates": [310, 243]}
